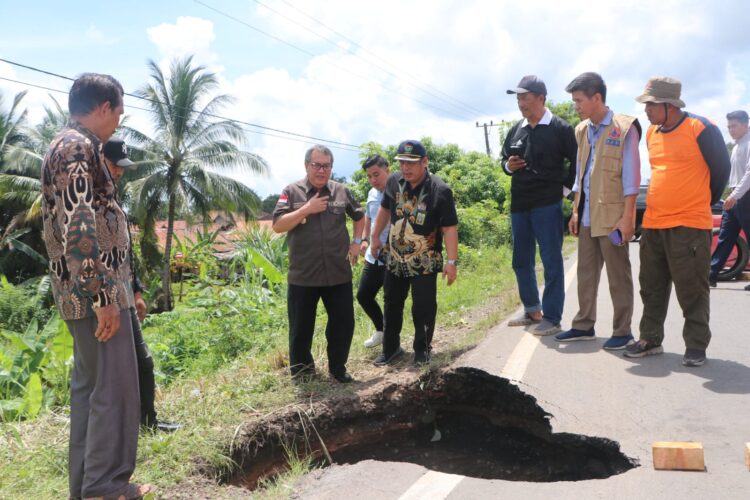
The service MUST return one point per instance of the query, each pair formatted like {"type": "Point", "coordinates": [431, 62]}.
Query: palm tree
{"type": "Point", "coordinates": [11, 124]}
{"type": "Point", "coordinates": [181, 159]}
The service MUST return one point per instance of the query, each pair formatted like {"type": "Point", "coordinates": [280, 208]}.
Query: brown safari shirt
{"type": "Point", "coordinates": [319, 245]}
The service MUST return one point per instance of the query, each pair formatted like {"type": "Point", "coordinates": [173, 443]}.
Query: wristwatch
{"type": "Point", "coordinates": [452, 262]}
{"type": "Point", "coordinates": [357, 241]}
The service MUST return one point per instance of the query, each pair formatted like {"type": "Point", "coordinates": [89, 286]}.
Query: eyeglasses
{"type": "Point", "coordinates": [320, 166]}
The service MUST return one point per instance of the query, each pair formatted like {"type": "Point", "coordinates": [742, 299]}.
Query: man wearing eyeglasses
{"type": "Point", "coordinates": [313, 212]}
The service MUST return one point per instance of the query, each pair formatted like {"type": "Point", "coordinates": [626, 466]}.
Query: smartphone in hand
{"type": "Point", "coordinates": [616, 237]}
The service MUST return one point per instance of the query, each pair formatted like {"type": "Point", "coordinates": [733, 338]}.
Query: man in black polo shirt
{"type": "Point", "coordinates": [534, 152]}
{"type": "Point", "coordinates": [421, 212]}
{"type": "Point", "coordinates": [313, 211]}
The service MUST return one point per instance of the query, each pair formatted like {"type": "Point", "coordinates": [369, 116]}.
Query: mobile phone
{"type": "Point", "coordinates": [615, 237]}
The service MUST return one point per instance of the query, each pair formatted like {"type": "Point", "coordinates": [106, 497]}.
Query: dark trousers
{"type": "Point", "coordinates": [732, 220]}
{"type": "Point", "coordinates": [679, 255]}
{"type": "Point", "coordinates": [370, 283]}
{"type": "Point", "coordinates": [146, 382]}
{"type": "Point", "coordinates": [103, 409]}
{"type": "Point", "coordinates": [423, 310]}
{"type": "Point", "coordinates": [302, 304]}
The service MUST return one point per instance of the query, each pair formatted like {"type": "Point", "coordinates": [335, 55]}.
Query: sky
{"type": "Point", "coordinates": [354, 72]}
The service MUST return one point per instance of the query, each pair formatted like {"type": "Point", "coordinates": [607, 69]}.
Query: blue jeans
{"type": "Point", "coordinates": [543, 225]}
{"type": "Point", "coordinates": [732, 220]}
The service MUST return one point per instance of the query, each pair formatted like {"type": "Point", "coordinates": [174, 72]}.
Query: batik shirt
{"type": "Point", "coordinates": [415, 242]}
{"type": "Point", "coordinates": [85, 230]}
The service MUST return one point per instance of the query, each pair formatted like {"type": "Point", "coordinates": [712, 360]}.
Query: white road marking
{"type": "Point", "coordinates": [433, 485]}
{"type": "Point", "coordinates": [519, 360]}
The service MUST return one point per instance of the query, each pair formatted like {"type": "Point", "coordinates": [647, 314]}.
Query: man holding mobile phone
{"type": "Point", "coordinates": [608, 175]}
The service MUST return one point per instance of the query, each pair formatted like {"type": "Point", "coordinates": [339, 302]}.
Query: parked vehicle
{"type": "Point", "coordinates": [737, 262]}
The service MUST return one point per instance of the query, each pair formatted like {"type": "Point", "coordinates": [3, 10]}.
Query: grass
{"type": "Point", "coordinates": [214, 404]}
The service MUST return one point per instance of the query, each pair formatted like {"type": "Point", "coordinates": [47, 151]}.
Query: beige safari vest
{"type": "Point", "coordinates": [606, 199]}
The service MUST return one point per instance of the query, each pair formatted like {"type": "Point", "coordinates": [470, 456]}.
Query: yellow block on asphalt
{"type": "Point", "coordinates": [747, 455]}
{"type": "Point", "coordinates": [677, 455]}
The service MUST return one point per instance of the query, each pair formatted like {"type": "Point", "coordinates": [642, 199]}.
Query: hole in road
{"type": "Point", "coordinates": [463, 421]}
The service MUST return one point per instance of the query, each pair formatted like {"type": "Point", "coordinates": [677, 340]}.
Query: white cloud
{"type": "Point", "coordinates": [188, 36]}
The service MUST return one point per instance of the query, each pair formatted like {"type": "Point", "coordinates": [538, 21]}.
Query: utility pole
{"type": "Point", "coordinates": [487, 135]}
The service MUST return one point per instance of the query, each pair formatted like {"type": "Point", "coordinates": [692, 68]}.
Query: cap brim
{"type": "Point", "coordinates": [125, 162]}
{"type": "Point", "coordinates": [406, 157]}
{"type": "Point", "coordinates": [518, 90]}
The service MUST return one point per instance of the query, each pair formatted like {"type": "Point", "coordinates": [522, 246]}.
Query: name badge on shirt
{"type": "Point", "coordinates": [612, 142]}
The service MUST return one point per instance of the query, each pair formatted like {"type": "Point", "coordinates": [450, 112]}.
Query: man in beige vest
{"type": "Point", "coordinates": [607, 180]}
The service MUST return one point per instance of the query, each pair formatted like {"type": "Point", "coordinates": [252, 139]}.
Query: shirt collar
{"type": "Point", "coordinates": [78, 126]}
{"type": "Point", "coordinates": [309, 188]}
{"type": "Point", "coordinates": [745, 138]}
{"type": "Point", "coordinates": [546, 118]}
{"type": "Point", "coordinates": [605, 121]}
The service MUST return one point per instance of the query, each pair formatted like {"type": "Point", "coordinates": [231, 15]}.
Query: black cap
{"type": "Point", "coordinates": [116, 152]}
{"type": "Point", "coordinates": [411, 151]}
{"type": "Point", "coordinates": [529, 83]}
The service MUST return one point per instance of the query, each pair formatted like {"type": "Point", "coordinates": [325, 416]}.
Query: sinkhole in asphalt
{"type": "Point", "coordinates": [459, 421]}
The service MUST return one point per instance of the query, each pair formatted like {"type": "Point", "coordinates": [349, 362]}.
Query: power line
{"type": "Point", "coordinates": [249, 124]}
{"type": "Point", "coordinates": [332, 30]}
{"type": "Point", "coordinates": [130, 106]}
{"type": "Point", "coordinates": [383, 68]}
{"type": "Point", "coordinates": [342, 68]}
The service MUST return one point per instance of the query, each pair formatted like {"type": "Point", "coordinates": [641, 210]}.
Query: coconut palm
{"type": "Point", "coordinates": [179, 171]}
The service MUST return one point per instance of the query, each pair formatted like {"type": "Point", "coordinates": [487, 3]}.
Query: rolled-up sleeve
{"type": "Point", "coordinates": [631, 163]}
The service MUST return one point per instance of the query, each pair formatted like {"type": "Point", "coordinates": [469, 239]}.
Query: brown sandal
{"type": "Point", "coordinates": [132, 491]}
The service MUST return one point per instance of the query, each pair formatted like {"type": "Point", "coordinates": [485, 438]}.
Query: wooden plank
{"type": "Point", "coordinates": [678, 455]}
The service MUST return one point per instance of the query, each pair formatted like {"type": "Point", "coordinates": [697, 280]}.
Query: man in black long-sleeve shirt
{"type": "Point", "coordinates": [534, 154]}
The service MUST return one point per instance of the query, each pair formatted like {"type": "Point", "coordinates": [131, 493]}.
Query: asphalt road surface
{"type": "Point", "coordinates": [598, 393]}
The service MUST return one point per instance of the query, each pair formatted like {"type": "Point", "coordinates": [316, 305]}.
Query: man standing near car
{"type": "Point", "coordinates": [313, 211]}
{"type": "Point", "coordinates": [608, 175]}
{"type": "Point", "coordinates": [689, 169]}
{"type": "Point", "coordinates": [736, 213]}
{"type": "Point", "coordinates": [534, 154]}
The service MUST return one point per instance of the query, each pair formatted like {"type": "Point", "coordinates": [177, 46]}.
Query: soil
{"type": "Point", "coordinates": [461, 421]}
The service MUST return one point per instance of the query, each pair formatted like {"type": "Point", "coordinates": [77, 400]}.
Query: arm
{"type": "Point", "coordinates": [383, 217]}
{"type": "Point", "coordinates": [511, 163]}
{"type": "Point", "coordinates": [570, 153]}
{"type": "Point", "coordinates": [714, 151]}
{"type": "Point", "coordinates": [631, 181]}
{"type": "Point", "coordinates": [354, 247]}
{"type": "Point", "coordinates": [286, 220]}
{"type": "Point", "coordinates": [739, 190]}
{"type": "Point", "coordinates": [365, 236]}
{"type": "Point", "coordinates": [450, 236]}
{"type": "Point", "coordinates": [574, 223]}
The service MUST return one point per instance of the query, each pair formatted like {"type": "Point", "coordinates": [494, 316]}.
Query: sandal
{"type": "Point", "coordinates": [132, 491]}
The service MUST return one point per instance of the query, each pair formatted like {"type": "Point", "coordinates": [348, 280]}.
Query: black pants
{"type": "Point", "coordinates": [370, 283]}
{"type": "Point", "coordinates": [302, 303]}
{"type": "Point", "coordinates": [423, 310]}
{"type": "Point", "coordinates": [146, 382]}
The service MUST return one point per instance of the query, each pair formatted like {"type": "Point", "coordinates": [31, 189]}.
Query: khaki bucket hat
{"type": "Point", "coordinates": [662, 89]}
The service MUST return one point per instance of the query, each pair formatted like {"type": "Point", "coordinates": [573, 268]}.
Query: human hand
{"type": "Point", "coordinates": [626, 225]}
{"type": "Point", "coordinates": [316, 204]}
{"type": "Point", "coordinates": [363, 247]}
{"type": "Point", "coordinates": [140, 306]}
{"type": "Point", "coordinates": [729, 203]}
{"type": "Point", "coordinates": [375, 247]}
{"type": "Point", "coordinates": [573, 223]}
{"type": "Point", "coordinates": [353, 252]}
{"type": "Point", "coordinates": [516, 163]}
{"type": "Point", "coordinates": [449, 273]}
{"type": "Point", "coordinates": [108, 322]}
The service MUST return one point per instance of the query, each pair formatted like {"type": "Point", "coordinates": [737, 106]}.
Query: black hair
{"type": "Point", "coordinates": [739, 115]}
{"type": "Point", "coordinates": [374, 161]}
{"type": "Point", "coordinates": [589, 83]}
{"type": "Point", "coordinates": [91, 90]}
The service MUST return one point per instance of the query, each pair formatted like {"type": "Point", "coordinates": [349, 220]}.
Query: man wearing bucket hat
{"type": "Point", "coordinates": [534, 155]}
{"type": "Point", "coordinates": [115, 153]}
{"type": "Point", "coordinates": [689, 169]}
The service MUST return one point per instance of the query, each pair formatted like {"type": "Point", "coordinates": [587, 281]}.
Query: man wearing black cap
{"type": "Point", "coordinates": [534, 154]}
{"type": "Point", "coordinates": [115, 153]}
{"type": "Point", "coordinates": [422, 213]}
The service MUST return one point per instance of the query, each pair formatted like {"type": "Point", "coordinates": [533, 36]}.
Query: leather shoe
{"type": "Point", "coordinates": [343, 378]}
{"type": "Point", "coordinates": [384, 360]}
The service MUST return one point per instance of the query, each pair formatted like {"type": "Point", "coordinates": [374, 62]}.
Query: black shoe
{"type": "Point", "coordinates": [382, 360]}
{"type": "Point", "coordinates": [304, 376]}
{"type": "Point", "coordinates": [694, 357]}
{"type": "Point", "coordinates": [747, 287]}
{"type": "Point", "coordinates": [422, 358]}
{"type": "Point", "coordinates": [642, 348]}
{"type": "Point", "coordinates": [343, 378]}
{"type": "Point", "coordinates": [712, 283]}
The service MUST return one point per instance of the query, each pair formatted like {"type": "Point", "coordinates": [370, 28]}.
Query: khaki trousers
{"type": "Point", "coordinates": [593, 253]}
{"type": "Point", "coordinates": [679, 255]}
